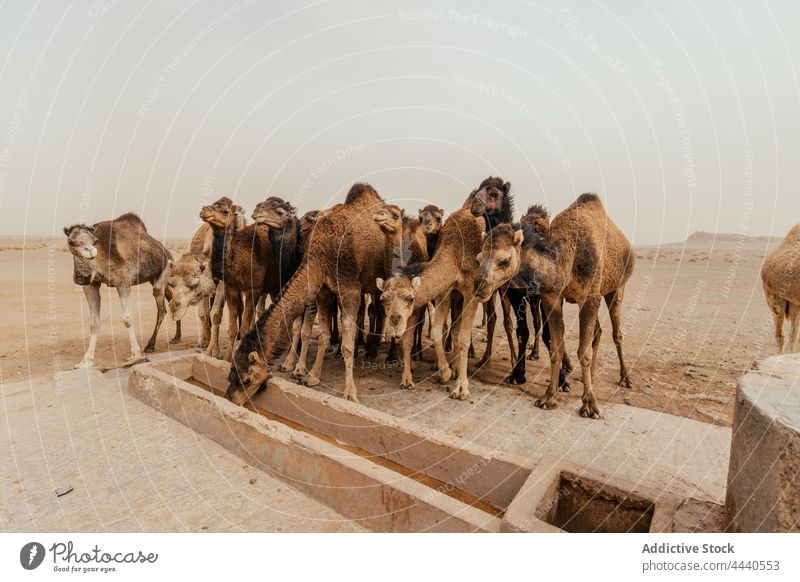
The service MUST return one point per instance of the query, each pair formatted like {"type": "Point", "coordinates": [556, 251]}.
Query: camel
{"type": "Point", "coordinates": [241, 256]}
{"type": "Point", "coordinates": [495, 255]}
{"type": "Point", "coordinates": [448, 277]}
{"type": "Point", "coordinates": [582, 257]}
{"type": "Point", "coordinates": [346, 253]}
{"type": "Point", "coordinates": [200, 244]}
{"type": "Point", "coordinates": [780, 275]}
{"type": "Point", "coordinates": [189, 283]}
{"type": "Point", "coordinates": [118, 253]}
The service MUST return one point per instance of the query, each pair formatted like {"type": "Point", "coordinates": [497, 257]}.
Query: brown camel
{"type": "Point", "coordinates": [582, 258]}
{"type": "Point", "coordinates": [448, 277]}
{"type": "Point", "coordinates": [780, 275]}
{"type": "Point", "coordinates": [118, 253]}
{"type": "Point", "coordinates": [346, 254]}
{"type": "Point", "coordinates": [240, 258]}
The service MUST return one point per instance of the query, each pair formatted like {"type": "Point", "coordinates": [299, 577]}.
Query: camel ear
{"type": "Point", "coordinates": [254, 358]}
{"type": "Point", "coordinates": [416, 282]}
{"type": "Point", "coordinates": [484, 234]}
{"type": "Point", "coordinates": [507, 187]}
{"type": "Point", "coordinates": [518, 236]}
{"type": "Point", "coordinates": [379, 283]}
{"type": "Point", "coordinates": [170, 265]}
{"type": "Point", "coordinates": [66, 231]}
{"type": "Point", "coordinates": [439, 214]}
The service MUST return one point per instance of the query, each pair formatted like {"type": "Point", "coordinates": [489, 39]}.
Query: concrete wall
{"type": "Point", "coordinates": [764, 473]}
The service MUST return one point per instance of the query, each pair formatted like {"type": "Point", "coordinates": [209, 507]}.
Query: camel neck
{"type": "Point", "coordinates": [217, 250]}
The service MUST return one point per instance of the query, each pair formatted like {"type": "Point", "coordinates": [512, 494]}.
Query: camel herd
{"type": "Point", "coordinates": [363, 272]}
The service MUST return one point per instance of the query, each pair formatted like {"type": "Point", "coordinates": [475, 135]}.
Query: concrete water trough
{"type": "Point", "coordinates": [392, 474]}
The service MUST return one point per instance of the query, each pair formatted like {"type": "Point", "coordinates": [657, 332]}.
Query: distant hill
{"type": "Point", "coordinates": [723, 241]}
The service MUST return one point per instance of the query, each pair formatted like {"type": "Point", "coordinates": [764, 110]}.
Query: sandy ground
{"type": "Point", "coordinates": [694, 319]}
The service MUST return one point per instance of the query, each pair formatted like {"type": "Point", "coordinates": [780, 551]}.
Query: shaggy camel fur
{"type": "Point", "coordinates": [240, 258]}
{"type": "Point", "coordinates": [780, 275]}
{"type": "Point", "coordinates": [582, 258]}
{"type": "Point", "coordinates": [346, 253]}
{"type": "Point", "coordinates": [118, 253]}
{"type": "Point", "coordinates": [448, 277]}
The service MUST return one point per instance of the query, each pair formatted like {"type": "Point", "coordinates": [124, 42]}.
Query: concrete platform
{"type": "Point", "coordinates": [130, 468]}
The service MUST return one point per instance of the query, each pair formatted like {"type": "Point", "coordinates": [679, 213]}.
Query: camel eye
{"type": "Point", "coordinates": [409, 299]}
{"type": "Point", "coordinates": [504, 263]}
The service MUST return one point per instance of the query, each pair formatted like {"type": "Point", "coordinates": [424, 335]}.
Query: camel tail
{"type": "Point", "coordinates": [271, 335]}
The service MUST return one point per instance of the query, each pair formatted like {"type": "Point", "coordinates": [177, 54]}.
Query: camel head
{"type": "Point", "coordinates": [430, 218]}
{"type": "Point", "coordinates": [189, 281]}
{"type": "Point", "coordinates": [82, 241]}
{"type": "Point", "coordinates": [390, 218]}
{"type": "Point", "coordinates": [397, 297]}
{"type": "Point", "coordinates": [248, 379]}
{"type": "Point", "coordinates": [216, 214]}
{"type": "Point", "coordinates": [274, 212]}
{"type": "Point", "coordinates": [499, 259]}
{"type": "Point", "coordinates": [492, 200]}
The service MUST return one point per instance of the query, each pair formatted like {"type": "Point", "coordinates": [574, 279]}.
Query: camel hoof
{"type": "Point", "coordinates": [514, 380]}
{"type": "Point", "coordinates": [298, 373]}
{"type": "Point", "coordinates": [460, 393]}
{"type": "Point", "coordinates": [406, 385]}
{"type": "Point", "coordinates": [444, 375]}
{"type": "Point", "coordinates": [134, 359]}
{"type": "Point", "coordinates": [84, 364]}
{"type": "Point", "coordinates": [287, 367]}
{"type": "Point", "coordinates": [149, 349]}
{"type": "Point", "coordinates": [482, 362]}
{"type": "Point", "coordinates": [309, 380]}
{"type": "Point", "coordinates": [590, 410]}
{"type": "Point", "coordinates": [533, 356]}
{"type": "Point", "coordinates": [351, 397]}
{"type": "Point", "coordinates": [174, 340]}
{"type": "Point", "coordinates": [546, 403]}
{"type": "Point", "coordinates": [625, 383]}
{"type": "Point", "coordinates": [564, 386]}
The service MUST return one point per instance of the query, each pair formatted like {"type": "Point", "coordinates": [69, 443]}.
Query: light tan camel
{"type": "Point", "coordinates": [780, 275]}
{"type": "Point", "coordinates": [118, 253]}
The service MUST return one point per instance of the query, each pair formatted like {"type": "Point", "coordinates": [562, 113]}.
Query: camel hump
{"type": "Point", "coordinates": [588, 198]}
{"type": "Point", "coordinates": [133, 219]}
{"type": "Point", "coordinates": [361, 191]}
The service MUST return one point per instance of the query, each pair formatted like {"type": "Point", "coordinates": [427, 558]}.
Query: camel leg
{"type": "Point", "coordinates": [233, 300]}
{"type": "Point", "coordinates": [177, 336]}
{"type": "Point", "coordinates": [440, 320]}
{"type": "Point", "coordinates": [248, 315]}
{"type": "Point", "coordinates": [778, 307]}
{"type": "Point", "coordinates": [508, 325]}
{"type": "Point", "coordinates": [431, 309]}
{"type": "Point", "coordinates": [325, 304]}
{"type": "Point", "coordinates": [555, 344]}
{"type": "Point", "coordinates": [588, 330]}
{"type": "Point", "coordinates": [462, 341]}
{"type": "Point", "coordinates": [566, 366]}
{"type": "Point", "coordinates": [159, 285]}
{"type": "Point", "coordinates": [519, 305]}
{"type": "Point", "coordinates": [376, 329]}
{"type": "Point", "coordinates": [407, 378]}
{"type": "Point", "coordinates": [125, 300]}
{"type": "Point", "coordinates": [490, 312]}
{"type": "Point", "coordinates": [204, 315]}
{"type": "Point", "coordinates": [291, 357]}
{"type": "Point", "coordinates": [596, 334]}
{"type": "Point", "coordinates": [349, 302]}
{"type": "Point", "coordinates": [794, 330]}
{"type": "Point", "coordinates": [261, 307]}
{"type": "Point", "coordinates": [536, 317]}
{"type": "Point", "coordinates": [419, 330]}
{"type": "Point", "coordinates": [306, 333]}
{"type": "Point", "coordinates": [216, 319]}
{"type": "Point", "coordinates": [614, 303]}
{"type": "Point", "coordinates": [92, 294]}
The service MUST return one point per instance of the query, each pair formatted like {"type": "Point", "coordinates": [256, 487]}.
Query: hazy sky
{"type": "Point", "coordinates": [684, 116]}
